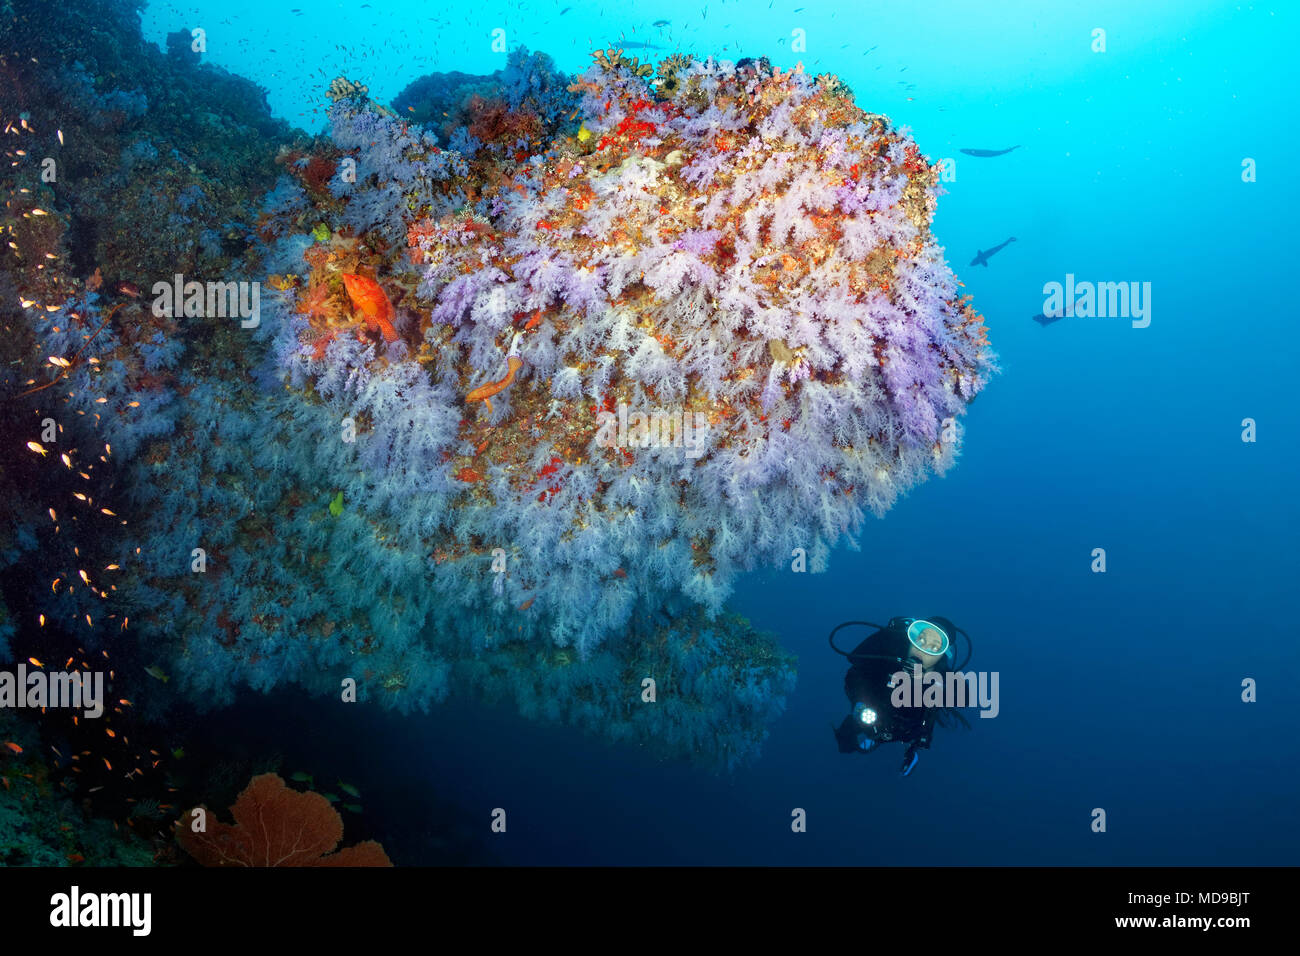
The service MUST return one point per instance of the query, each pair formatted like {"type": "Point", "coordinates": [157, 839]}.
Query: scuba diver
{"type": "Point", "coordinates": [901, 645]}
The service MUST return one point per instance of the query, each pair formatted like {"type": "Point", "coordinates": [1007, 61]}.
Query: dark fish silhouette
{"type": "Point", "coordinates": [1045, 320]}
{"type": "Point", "coordinates": [989, 152]}
{"type": "Point", "coordinates": [982, 256]}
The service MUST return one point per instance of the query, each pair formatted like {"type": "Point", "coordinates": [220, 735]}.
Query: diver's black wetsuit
{"type": "Point", "coordinates": [869, 681]}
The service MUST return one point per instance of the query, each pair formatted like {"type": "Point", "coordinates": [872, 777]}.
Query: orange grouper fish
{"type": "Point", "coordinates": [369, 299]}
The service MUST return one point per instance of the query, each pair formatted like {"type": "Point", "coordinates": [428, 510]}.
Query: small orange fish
{"type": "Point", "coordinates": [484, 393]}
{"type": "Point", "coordinates": [129, 288]}
{"type": "Point", "coordinates": [76, 858]}
{"type": "Point", "coordinates": [527, 604]}
{"type": "Point", "coordinates": [369, 299]}
{"type": "Point", "coordinates": [620, 573]}
{"type": "Point", "coordinates": [13, 746]}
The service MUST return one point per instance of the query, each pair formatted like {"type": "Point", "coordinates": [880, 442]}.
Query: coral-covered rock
{"type": "Point", "coordinates": [529, 98]}
{"type": "Point", "coordinates": [706, 331]}
{"type": "Point", "coordinates": [145, 143]}
{"type": "Point", "coordinates": [640, 331]}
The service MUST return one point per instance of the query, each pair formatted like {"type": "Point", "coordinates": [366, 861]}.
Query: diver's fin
{"type": "Point", "coordinates": [951, 718]}
{"type": "Point", "coordinates": [909, 761]}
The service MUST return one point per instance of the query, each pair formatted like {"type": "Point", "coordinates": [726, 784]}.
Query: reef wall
{"type": "Point", "coordinates": [522, 394]}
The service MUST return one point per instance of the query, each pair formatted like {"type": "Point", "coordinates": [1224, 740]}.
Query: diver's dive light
{"type": "Point", "coordinates": [865, 714]}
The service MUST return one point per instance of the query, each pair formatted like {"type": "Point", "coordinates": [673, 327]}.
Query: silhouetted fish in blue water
{"type": "Point", "coordinates": [982, 256]}
{"type": "Point", "coordinates": [1045, 320]}
{"type": "Point", "coordinates": [989, 152]}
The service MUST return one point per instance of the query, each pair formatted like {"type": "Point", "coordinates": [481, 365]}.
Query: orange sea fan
{"type": "Point", "coordinates": [275, 826]}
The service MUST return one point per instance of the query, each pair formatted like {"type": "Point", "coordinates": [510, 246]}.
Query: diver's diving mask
{"type": "Point", "coordinates": [929, 641]}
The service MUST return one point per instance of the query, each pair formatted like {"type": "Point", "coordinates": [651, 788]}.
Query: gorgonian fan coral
{"type": "Point", "coordinates": [275, 826]}
{"type": "Point", "coordinates": [706, 327]}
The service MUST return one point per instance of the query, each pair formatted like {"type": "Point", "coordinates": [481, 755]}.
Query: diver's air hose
{"type": "Point", "coordinates": [840, 628]}
{"type": "Point", "coordinates": [970, 648]}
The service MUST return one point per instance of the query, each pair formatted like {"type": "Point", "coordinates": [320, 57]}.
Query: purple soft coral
{"type": "Point", "coordinates": [726, 326]}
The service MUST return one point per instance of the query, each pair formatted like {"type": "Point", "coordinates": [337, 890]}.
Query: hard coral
{"type": "Point", "coordinates": [276, 826]}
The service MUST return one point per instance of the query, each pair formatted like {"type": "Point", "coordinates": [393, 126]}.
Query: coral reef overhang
{"type": "Point", "coordinates": [526, 392]}
{"type": "Point", "coordinates": [700, 327]}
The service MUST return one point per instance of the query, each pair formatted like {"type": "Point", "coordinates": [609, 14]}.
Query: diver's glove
{"type": "Point", "coordinates": [909, 760]}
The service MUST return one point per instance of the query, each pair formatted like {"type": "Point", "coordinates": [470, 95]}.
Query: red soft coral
{"type": "Point", "coordinates": [276, 826]}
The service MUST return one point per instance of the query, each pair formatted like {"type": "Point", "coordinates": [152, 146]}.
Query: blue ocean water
{"type": "Point", "coordinates": [1120, 690]}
